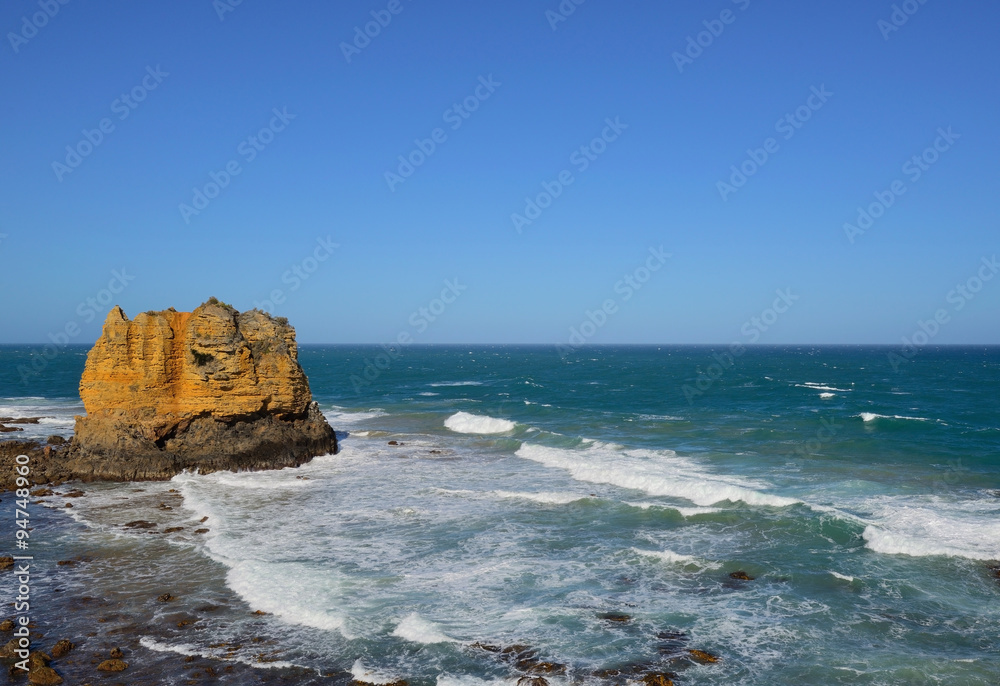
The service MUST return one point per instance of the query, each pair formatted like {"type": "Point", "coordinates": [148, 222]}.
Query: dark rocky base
{"type": "Point", "coordinates": [115, 452]}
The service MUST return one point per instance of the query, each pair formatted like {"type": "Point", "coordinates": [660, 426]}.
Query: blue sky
{"type": "Point", "coordinates": [215, 74]}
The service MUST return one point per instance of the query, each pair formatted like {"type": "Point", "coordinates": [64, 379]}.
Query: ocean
{"type": "Point", "coordinates": [592, 506]}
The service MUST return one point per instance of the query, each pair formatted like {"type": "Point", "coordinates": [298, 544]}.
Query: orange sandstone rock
{"type": "Point", "coordinates": [210, 389]}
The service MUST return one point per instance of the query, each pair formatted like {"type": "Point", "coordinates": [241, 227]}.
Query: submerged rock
{"type": "Point", "coordinates": [615, 617]}
{"type": "Point", "coordinates": [62, 648]}
{"type": "Point", "coordinates": [741, 576]}
{"type": "Point", "coordinates": [213, 389]}
{"type": "Point", "coordinates": [114, 665]}
{"type": "Point", "coordinates": [702, 657]}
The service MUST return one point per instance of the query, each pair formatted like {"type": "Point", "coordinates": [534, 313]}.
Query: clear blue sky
{"type": "Point", "coordinates": [62, 233]}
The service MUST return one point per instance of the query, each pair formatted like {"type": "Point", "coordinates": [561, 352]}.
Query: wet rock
{"type": "Point", "coordinates": [535, 667]}
{"type": "Point", "coordinates": [62, 648]}
{"type": "Point", "coordinates": [658, 679]}
{"type": "Point", "coordinates": [43, 675]}
{"type": "Point", "coordinates": [69, 504]}
{"type": "Point", "coordinates": [165, 598]}
{"type": "Point", "coordinates": [741, 576]}
{"type": "Point", "coordinates": [532, 681]}
{"type": "Point", "coordinates": [624, 670]}
{"type": "Point", "coordinates": [6, 562]}
{"type": "Point", "coordinates": [703, 657]}
{"type": "Point", "coordinates": [173, 529]}
{"type": "Point", "coordinates": [201, 531]}
{"type": "Point", "coordinates": [116, 653]}
{"type": "Point", "coordinates": [517, 651]}
{"type": "Point", "coordinates": [396, 443]}
{"type": "Point", "coordinates": [9, 429]}
{"type": "Point", "coordinates": [20, 420]}
{"type": "Point", "coordinates": [615, 617]}
{"type": "Point", "coordinates": [9, 650]}
{"type": "Point", "coordinates": [38, 659]}
{"type": "Point", "coordinates": [203, 520]}
{"type": "Point", "coordinates": [7, 625]}
{"type": "Point", "coordinates": [55, 440]}
{"type": "Point", "coordinates": [484, 646]}
{"type": "Point", "coordinates": [41, 492]}
{"type": "Point", "coordinates": [112, 666]}
{"type": "Point", "coordinates": [436, 452]}
{"type": "Point", "coordinates": [260, 612]}
{"type": "Point", "coordinates": [140, 524]}
{"type": "Point", "coordinates": [66, 563]}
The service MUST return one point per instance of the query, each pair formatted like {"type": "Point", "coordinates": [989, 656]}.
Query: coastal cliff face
{"type": "Point", "coordinates": [211, 389]}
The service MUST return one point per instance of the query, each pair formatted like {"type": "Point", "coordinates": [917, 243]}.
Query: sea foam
{"type": "Point", "coordinates": [418, 630]}
{"type": "Point", "coordinates": [465, 423]}
{"type": "Point", "coordinates": [659, 473]}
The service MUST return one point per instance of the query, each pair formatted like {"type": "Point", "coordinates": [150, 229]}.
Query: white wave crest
{"type": "Point", "coordinates": [671, 557]}
{"type": "Point", "coordinates": [465, 423]}
{"type": "Point", "coordinates": [417, 629]}
{"type": "Point", "coordinates": [871, 417]}
{"type": "Point", "coordinates": [366, 675]}
{"type": "Point", "coordinates": [192, 651]}
{"type": "Point", "coordinates": [656, 473]}
{"type": "Point", "coordinates": [922, 526]}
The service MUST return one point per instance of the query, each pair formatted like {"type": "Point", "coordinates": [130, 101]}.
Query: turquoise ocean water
{"type": "Point", "coordinates": [532, 495]}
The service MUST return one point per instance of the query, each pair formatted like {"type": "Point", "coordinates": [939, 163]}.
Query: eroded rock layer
{"type": "Point", "coordinates": [210, 389]}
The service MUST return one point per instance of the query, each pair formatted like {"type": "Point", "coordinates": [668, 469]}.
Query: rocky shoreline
{"type": "Point", "coordinates": [87, 634]}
